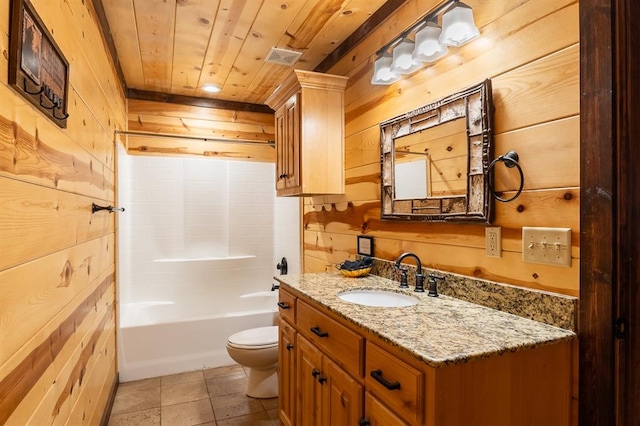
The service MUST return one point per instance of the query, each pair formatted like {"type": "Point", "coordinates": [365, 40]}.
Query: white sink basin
{"type": "Point", "coordinates": [385, 298]}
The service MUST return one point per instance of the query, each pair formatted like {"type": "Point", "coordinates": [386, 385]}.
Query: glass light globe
{"type": "Point", "coordinates": [403, 62]}
{"type": "Point", "coordinates": [428, 47]}
{"type": "Point", "coordinates": [382, 73]}
{"type": "Point", "coordinates": [458, 26]}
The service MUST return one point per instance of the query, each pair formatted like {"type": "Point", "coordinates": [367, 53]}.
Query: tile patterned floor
{"type": "Point", "coordinates": [213, 397]}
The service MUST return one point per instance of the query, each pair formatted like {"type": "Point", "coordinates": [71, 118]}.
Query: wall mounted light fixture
{"type": "Point", "coordinates": [431, 41]}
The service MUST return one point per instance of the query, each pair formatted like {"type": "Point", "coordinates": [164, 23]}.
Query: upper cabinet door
{"type": "Point", "coordinates": [309, 134]}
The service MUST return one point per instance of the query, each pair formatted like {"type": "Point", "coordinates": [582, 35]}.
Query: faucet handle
{"type": "Point", "coordinates": [433, 285]}
{"type": "Point", "coordinates": [403, 278]}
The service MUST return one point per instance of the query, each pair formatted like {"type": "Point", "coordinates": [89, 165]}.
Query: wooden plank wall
{"type": "Point", "coordinates": [151, 117]}
{"type": "Point", "coordinates": [530, 51]}
{"type": "Point", "coordinates": [57, 259]}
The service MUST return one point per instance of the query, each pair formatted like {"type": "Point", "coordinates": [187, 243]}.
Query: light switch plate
{"type": "Point", "coordinates": [493, 241]}
{"type": "Point", "coordinates": [546, 245]}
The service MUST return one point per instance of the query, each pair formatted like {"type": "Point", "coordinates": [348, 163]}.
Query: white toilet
{"type": "Point", "coordinates": [257, 348]}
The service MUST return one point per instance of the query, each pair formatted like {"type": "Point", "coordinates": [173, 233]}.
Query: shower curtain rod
{"type": "Point", "coordinates": [270, 143]}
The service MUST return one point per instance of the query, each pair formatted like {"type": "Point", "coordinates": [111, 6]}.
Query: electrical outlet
{"type": "Point", "coordinates": [547, 245]}
{"type": "Point", "coordinates": [493, 237]}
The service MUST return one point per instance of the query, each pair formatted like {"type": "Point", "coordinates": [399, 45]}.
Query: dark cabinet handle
{"type": "Point", "coordinates": [283, 305]}
{"type": "Point", "coordinates": [317, 332]}
{"type": "Point", "coordinates": [289, 346]}
{"type": "Point", "coordinates": [377, 375]}
{"type": "Point", "coordinates": [322, 379]}
{"type": "Point", "coordinates": [315, 373]}
{"type": "Point", "coordinates": [364, 422]}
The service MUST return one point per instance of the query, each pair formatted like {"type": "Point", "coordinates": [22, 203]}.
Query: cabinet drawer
{"type": "Point", "coordinates": [343, 345]}
{"type": "Point", "coordinates": [395, 383]}
{"type": "Point", "coordinates": [287, 306]}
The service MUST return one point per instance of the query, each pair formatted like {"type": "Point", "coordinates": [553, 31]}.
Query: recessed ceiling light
{"type": "Point", "coordinates": [211, 88]}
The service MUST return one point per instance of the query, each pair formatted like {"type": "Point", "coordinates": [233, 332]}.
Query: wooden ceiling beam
{"type": "Point", "coordinates": [359, 34]}
{"type": "Point", "coordinates": [108, 39]}
{"type": "Point", "coordinates": [197, 101]}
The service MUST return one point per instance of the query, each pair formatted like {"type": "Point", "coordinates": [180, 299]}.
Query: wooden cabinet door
{"type": "Point", "coordinates": [342, 397]}
{"type": "Point", "coordinates": [308, 388]}
{"type": "Point", "coordinates": [281, 147]}
{"type": "Point", "coordinates": [286, 379]}
{"type": "Point", "coordinates": [291, 158]}
{"type": "Point", "coordinates": [377, 414]}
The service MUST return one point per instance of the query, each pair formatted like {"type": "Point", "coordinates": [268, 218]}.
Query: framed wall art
{"type": "Point", "coordinates": [365, 245]}
{"type": "Point", "coordinates": [37, 68]}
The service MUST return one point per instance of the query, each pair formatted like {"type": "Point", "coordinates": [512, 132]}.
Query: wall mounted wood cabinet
{"type": "Point", "coordinates": [309, 122]}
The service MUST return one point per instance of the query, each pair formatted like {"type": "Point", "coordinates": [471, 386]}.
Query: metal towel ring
{"type": "Point", "coordinates": [510, 159]}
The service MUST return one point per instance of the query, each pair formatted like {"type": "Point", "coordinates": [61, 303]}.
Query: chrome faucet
{"type": "Point", "coordinates": [419, 276]}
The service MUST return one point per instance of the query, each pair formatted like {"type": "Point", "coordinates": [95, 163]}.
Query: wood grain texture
{"type": "Point", "coordinates": [628, 210]}
{"type": "Point", "coordinates": [57, 269]}
{"type": "Point", "coordinates": [196, 101]}
{"type": "Point", "coordinates": [536, 89]}
{"type": "Point", "coordinates": [41, 157]}
{"type": "Point", "coordinates": [47, 287]}
{"type": "Point", "coordinates": [177, 47]}
{"type": "Point", "coordinates": [75, 28]}
{"type": "Point", "coordinates": [168, 119]}
{"type": "Point", "coordinates": [494, 382]}
{"type": "Point", "coordinates": [18, 382]}
{"type": "Point", "coordinates": [553, 26]}
{"type": "Point", "coordinates": [141, 145]}
{"type": "Point", "coordinates": [598, 155]}
{"type": "Point", "coordinates": [156, 25]}
{"type": "Point", "coordinates": [122, 25]}
{"type": "Point", "coordinates": [31, 211]}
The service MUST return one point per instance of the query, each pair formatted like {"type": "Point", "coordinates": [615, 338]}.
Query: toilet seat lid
{"type": "Point", "coordinates": [255, 337]}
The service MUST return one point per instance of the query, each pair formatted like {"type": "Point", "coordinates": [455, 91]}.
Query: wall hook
{"type": "Point", "coordinates": [24, 87]}
{"type": "Point", "coordinates": [110, 209]}
{"type": "Point", "coordinates": [510, 159]}
{"type": "Point", "coordinates": [64, 116]}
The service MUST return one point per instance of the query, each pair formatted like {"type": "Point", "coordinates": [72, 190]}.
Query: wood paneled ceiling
{"type": "Point", "coordinates": [177, 46]}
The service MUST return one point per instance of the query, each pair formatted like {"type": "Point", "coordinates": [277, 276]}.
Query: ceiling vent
{"type": "Point", "coordinates": [282, 56]}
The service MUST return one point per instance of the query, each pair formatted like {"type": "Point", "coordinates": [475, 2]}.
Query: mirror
{"type": "Point", "coordinates": [435, 160]}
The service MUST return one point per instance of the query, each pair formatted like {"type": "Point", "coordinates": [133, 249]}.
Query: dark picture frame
{"type": "Point", "coordinates": [365, 245]}
{"type": "Point", "coordinates": [475, 204]}
{"type": "Point", "coordinates": [37, 68]}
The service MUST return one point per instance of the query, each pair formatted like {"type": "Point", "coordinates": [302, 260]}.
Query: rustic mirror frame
{"type": "Point", "coordinates": [475, 105]}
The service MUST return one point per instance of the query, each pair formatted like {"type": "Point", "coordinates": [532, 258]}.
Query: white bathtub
{"type": "Point", "coordinates": [157, 338]}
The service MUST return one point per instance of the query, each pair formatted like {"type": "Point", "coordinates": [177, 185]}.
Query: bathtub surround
{"type": "Point", "coordinates": [198, 244]}
{"type": "Point", "coordinates": [550, 308]}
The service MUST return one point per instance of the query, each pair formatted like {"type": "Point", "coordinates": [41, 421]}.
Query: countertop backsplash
{"type": "Point", "coordinates": [550, 308]}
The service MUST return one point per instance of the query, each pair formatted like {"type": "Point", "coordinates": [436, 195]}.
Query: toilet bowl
{"type": "Point", "coordinates": [257, 349]}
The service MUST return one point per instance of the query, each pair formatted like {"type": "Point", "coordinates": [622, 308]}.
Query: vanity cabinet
{"type": "Point", "coordinates": [395, 382]}
{"type": "Point", "coordinates": [346, 374]}
{"type": "Point", "coordinates": [327, 395]}
{"type": "Point", "coordinates": [287, 372]}
{"type": "Point", "coordinates": [309, 122]}
{"type": "Point", "coordinates": [376, 414]}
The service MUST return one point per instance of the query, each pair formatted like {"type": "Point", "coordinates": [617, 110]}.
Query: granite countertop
{"type": "Point", "coordinates": [438, 330]}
